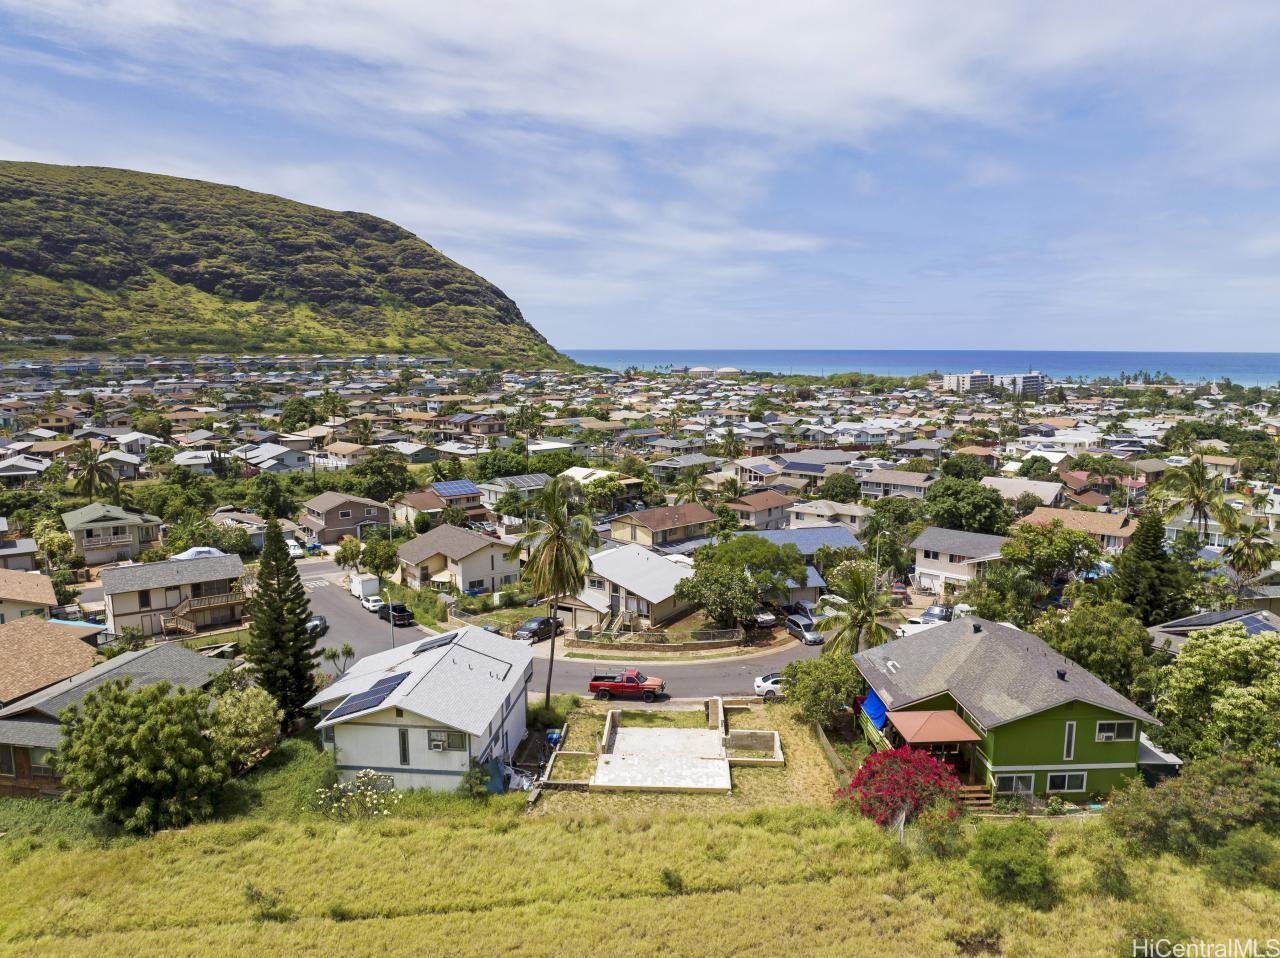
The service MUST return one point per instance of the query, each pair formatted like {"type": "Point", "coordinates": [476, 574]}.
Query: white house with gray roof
{"type": "Point", "coordinates": [423, 712]}
{"type": "Point", "coordinates": [175, 597]}
{"type": "Point", "coordinates": [949, 557]}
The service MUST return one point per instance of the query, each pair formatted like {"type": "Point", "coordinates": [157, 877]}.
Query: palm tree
{"type": "Point", "coordinates": [853, 607]}
{"type": "Point", "coordinates": [730, 489]}
{"type": "Point", "coordinates": [558, 543]}
{"type": "Point", "coordinates": [93, 473]}
{"type": "Point", "coordinates": [1193, 487]}
{"type": "Point", "coordinates": [362, 431]}
{"type": "Point", "coordinates": [730, 444]}
{"type": "Point", "coordinates": [332, 405]}
{"type": "Point", "coordinates": [1250, 554]}
{"type": "Point", "coordinates": [694, 486]}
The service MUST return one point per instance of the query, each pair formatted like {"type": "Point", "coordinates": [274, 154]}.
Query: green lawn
{"type": "Point", "coordinates": [664, 718]}
{"type": "Point", "coordinates": [777, 868]}
{"type": "Point", "coordinates": [573, 767]}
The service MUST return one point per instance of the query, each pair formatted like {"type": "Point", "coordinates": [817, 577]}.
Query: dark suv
{"type": "Point", "coordinates": [397, 613]}
{"type": "Point", "coordinates": [538, 628]}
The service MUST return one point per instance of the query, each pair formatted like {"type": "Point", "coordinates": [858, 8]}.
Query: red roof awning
{"type": "Point", "coordinates": [932, 728]}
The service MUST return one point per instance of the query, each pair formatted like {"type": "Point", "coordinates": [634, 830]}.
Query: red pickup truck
{"type": "Point", "coordinates": [625, 683]}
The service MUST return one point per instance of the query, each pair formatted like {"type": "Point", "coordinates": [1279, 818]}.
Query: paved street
{"type": "Point", "coordinates": [348, 622]}
{"type": "Point", "coordinates": [367, 633]}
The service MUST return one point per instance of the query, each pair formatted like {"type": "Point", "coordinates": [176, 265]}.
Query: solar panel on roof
{"type": "Point", "coordinates": [456, 487]}
{"type": "Point", "coordinates": [1254, 624]}
{"type": "Point", "coordinates": [1206, 619]}
{"type": "Point", "coordinates": [371, 698]}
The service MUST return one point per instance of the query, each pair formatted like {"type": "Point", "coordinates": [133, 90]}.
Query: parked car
{"type": "Point", "coordinates": [372, 603]}
{"type": "Point", "coordinates": [804, 609]}
{"type": "Point", "coordinates": [936, 613]}
{"type": "Point", "coordinates": [317, 625]}
{"type": "Point", "coordinates": [397, 613]}
{"type": "Point", "coordinates": [900, 589]}
{"type": "Point", "coordinates": [770, 686]}
{"type": "Point", "coordinates": [762, 620]}
{"type": "Point", "coordinates": [803, 629]}
{"type": "Point", "coordinates": [538, 628]}
{"type": "Point", "coordinates": [625, 683]}
{"type": "Point", "coordinates": [295, 551]}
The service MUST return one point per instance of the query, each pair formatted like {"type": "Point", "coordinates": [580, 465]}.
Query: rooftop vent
{"type": "Point", "coordinates": [977, 627]}
{"type": "Point", "coordinates": [1062, 675]}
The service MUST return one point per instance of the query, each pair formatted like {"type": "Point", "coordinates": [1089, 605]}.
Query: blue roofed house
{"type": "Point", "coordinates": [809, 540]}
{"type": "Point", "coordinates": [423, 712]}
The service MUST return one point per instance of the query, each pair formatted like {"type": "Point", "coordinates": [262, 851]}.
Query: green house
{"type": "Point", "coordinates": [1005, 709]}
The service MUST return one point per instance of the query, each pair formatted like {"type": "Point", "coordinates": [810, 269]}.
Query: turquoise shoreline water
{"type": "Point", "coordinates": [1250, 369]}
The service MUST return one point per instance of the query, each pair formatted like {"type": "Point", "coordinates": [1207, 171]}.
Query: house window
{"type": "Point", "coordinates": [1116, 731]}
{"type": "Point", "coordinates": [453, 741]}
{"type": "Point", "coordinates": [1015, 784]}
{"type": "Point", "coordinates": [1069, 742]}
{"type": "Point", "coordinates": [344, 514]}
{"type": "Point", "coordinates": [404, 745]}
{"type": "Point", "coordinates": [930, 554]}
{"type": "Point", "coordinates": [1067, 781]}
{"type": "Point", "coordinates": [326, 735]}
{"type": "Point", "coordinates": [6, 761]}
{"type": "Point", "coordinates": [597, 584]}
{"type": "Point", "coordinates": [955, 559]}
{"type": "Point", "coordinates": [476, 584]}
{"type": "Point", "coordinates": [368, 512]}
{"type": "Point", "coordinates": [144, 599]}
{"type": "Point", "coordinates": [40, 764]}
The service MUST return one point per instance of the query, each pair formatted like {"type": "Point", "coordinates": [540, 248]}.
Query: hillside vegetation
{"type": "Point", "coordinates": [776, 868]}
{"type": "Point", "coordinates": [125, 261]}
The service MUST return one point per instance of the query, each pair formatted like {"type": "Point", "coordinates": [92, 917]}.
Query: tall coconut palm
{"type": "Point", "coordinates": [694, 486]}
{"type": "Point", "coordinates": [853, 607]}
{"type": "Point", "coordinates": [730, 444]}
{"type": "Point", "coordinates": [731, 488]}
{"type": "Point", "coordinates": [362, 431]}
{"type": "Point", "coordinates": [93, 473]}
{"type": "Point", "coordinates": [1193, 487]}
{"type": "Point", "coordinates": [558, 543]}
{"type": "Point", "coordinates": [1251, 553]}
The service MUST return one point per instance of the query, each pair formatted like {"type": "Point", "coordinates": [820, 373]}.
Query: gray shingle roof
{"type": "Point", "coordinates": [160, 663]}
{"type": "Point", "coordinates": [998, 673]}
{"type": "Point", "coordinates": [971, 545]}
{"type": "Point", "coordinates": [170, 573]}
{"type": "Point", "coordinates": [449, 541]}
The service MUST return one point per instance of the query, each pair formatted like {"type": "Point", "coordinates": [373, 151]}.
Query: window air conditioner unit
{"type": "Point", "coordinates": [1107, 737]}
{"type": "Point", "coordinates": [437, 746]}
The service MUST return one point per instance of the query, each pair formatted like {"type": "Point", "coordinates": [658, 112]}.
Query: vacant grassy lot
{"type": "Point", "coordinates": [777, 871]}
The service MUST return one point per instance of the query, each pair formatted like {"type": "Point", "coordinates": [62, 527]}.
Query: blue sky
{"type": "Point", "coordinates": [719, 174]}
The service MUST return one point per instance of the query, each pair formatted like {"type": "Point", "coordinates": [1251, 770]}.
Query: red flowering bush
{"type": "Point", "coordinates": [888, 782]}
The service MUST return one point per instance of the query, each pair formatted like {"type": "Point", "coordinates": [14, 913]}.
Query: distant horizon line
{"type": "Point", "coordinates": [916, 349]}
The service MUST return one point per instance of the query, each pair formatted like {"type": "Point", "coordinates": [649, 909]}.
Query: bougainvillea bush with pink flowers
{"type": "Point", "coordinates": [887, 782]}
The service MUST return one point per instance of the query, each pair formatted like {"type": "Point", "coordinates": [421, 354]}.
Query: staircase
{"type": "Point", "coordinates": [179, 619]}
{"type": "Point", "coordinates": [975, 798]}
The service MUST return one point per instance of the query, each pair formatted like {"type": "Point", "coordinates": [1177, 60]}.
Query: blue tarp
{"type": "Point", "coordinates": [874, 709]}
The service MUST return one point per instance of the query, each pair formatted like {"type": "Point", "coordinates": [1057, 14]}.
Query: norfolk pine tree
{"type": "Point", "coordinates": [281, 651]}
{"type": "Point", "coordinates": [1148, 579]}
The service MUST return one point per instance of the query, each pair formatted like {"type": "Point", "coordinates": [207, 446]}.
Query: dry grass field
{"type": "Point", "coordinates": [776, 868]}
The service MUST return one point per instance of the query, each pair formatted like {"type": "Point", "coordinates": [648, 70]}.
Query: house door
{"type": "Point", "coordinates": [150, 624]}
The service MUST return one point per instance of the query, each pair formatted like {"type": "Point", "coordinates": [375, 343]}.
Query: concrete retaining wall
{"type": "Point", "coordinates": [757, 740]}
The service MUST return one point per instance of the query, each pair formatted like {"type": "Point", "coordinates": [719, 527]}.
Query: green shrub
{"type": "Point", "coordinates": [1197, 810]}
{"type": "Point", "coordinates": [1248, 856]}
{"type": "Point", "coordinates": [1013, 861]}
{"type": "Point", "coordinates": [1111, 876]}
{"type": "Point", "coordinates": [941, 830]}
{"type": "Point", "coordinates": [672, 881]}
{"type": "Point", "coordinates": [475, 783]}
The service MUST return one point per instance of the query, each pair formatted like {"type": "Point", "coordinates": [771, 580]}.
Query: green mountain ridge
{"type": "Point", "coordinates": [123, 261]}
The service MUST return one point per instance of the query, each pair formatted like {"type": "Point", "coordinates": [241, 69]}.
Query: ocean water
{"type": "Point", "coordinates": [1250, 369]}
